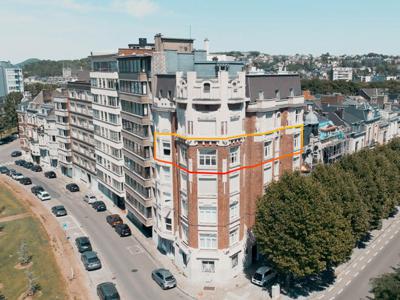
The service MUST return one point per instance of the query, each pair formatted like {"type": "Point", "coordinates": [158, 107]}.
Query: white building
{"type": "Point", "coordinates": [107, 127]}
{"type": "Point", "coordinates": [11, 79]}
{"type": "Point", "coordinates": [342, 74]}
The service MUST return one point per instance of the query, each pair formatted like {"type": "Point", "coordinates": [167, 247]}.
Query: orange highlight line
{"type": "Point", "coordinates": [225, 138]}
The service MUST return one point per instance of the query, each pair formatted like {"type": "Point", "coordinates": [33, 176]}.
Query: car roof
{"type": "Point", "coordinates": [108, 287]}
{"type": "Point", "coordinates": [263, 269]}
{"type": "Point", "coordinates": [115, 215]}
{"type": "Point", "coordinates": [59, 207]}
{"type": "Point", "coordinates": [90, 254]}
{"type": "Point", "coordinates": [82, 238]}
{"type": "Point", "coordinates": [163, 271]}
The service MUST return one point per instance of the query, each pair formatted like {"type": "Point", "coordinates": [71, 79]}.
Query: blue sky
{"type": "Point", "coordinates": [57, 29]}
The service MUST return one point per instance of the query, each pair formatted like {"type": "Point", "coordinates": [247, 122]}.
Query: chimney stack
{"type": "Point", "coordinates": [206, 45]}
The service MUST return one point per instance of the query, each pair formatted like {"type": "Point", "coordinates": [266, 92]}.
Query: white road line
{"type": "Point", "coordinates": [378, 240]}
{"type": "Point", "coordinates": [361, 258]}
{"type": "Point", "coordinates": [355, 265]}
{"type": "Point", "coordinates": [375, 253]}
{"type": "Point", "coordinates": [356, 274]}
{"type": "Point", "coordinates": [373, 246]}
{"type": "Point", "coordinates": [331, 288]}
{"type": "Point", "coordinates": [340, 291]}
{"type": "Point", "coordinates": [380, 248]}
{"type": "Point", "coordinates": [386, 242]}
{"type": "Point", "coordinates": [391, 236]}
{"type": "Point", "coordinates": [321, 296]}
{"type": "Point", "coordinates": [369, 260]}
{"type": "Point", "coordinates": [397, 230]}
{"type": "Point", "coordinates": [347, 272]}
{"type": "Point", "coordinates": [331, 298]}
{"type": "Point", "coordinates": [363, 267]}
{"type": "Point", "coordinates": [384, 234]}
{"type": "Point", "coordinates": [347, 283]}
{"type": "Point", "coordinates": [366, 252]}
{"type": "Point", "coordinates": [339, 280]}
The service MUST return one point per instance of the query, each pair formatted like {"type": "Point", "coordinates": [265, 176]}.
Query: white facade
{"type": "Point", "coordinates": [11, 80]}
{"type": "Point", "coordinates": [107, 133]}
{"type": "Point", "coordinates": [342, 74]}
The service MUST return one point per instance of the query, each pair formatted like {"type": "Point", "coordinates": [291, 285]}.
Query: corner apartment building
{"type": "Point", "coordinates": [82, 132]}
{"type": "Point", "coordinates": [222, 121]}
{"type": "Point", "coordinates": [107, 125]}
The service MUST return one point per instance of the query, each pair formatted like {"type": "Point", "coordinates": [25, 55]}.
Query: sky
{"type": "Point", "coordinates": [69, 29]}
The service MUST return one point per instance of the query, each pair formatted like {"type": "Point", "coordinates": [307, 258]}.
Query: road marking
{"type": "Point", "coordinates": [361, 258]}
{"type": "Point", "coordinates": [369, 260]}
{"type": "Point", "coordinates": [363, 267]}
{"type": "Point", "coordinates": [380, 248]}
{"type": "Point", "coordinates": [347, 283]}
{"type": "Point", "coordinates": [375, 253]}
{"type": "Point", "coordinates": [367, 251]}
{"type": "Point", "coordinates": [347, 272]}
{"type": "Point", "coordinates": [354, 265]}
{"type": "Point", "coordinates": [340, 279]}
{"type": "Point", "coordinates": [391, 236]}
{"type": "Point", "coordinates": [331, 288]}
{"type": "Point", "coordinates": [321, 296]}
{"type": "Point", "coordinates": [384, 234]}
{"type": "Point", "coordinates": [373, 246]}
{"type": "Point", "coordinates": [340, 291]}
{"type": "Point", "coordinates": [386, 242]}
{"type": "Point", "coordinates": [397, 230]}
{"type": "Point", "coordinates": [331, 298]}
{"type": "Point", "coordinates": [135, 249]}
{"type": "Point", "coordinates": [356, 274]}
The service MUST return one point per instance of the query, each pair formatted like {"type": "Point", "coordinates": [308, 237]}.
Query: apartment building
{"type": "Point", "coordinates": [63, 138]}
{"type": "Point", "coordinates": [82, 132]}
{"type": "Point", "coordinates": [37, 128]}
{"type": "Point", "coordinates": [345, 74]}
{"type": "Point", "coordinates": [11, 79]}
{"type": "Point", "coordinates": [107, 127]}
{"type": "Point", "coordinates": [232, 135]}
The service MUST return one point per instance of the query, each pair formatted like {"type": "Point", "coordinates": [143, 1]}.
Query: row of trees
{"type": "Point", "coordinates": [306, 225]}
{"type": "Point", "coordinates": [318, 86]}
{"type": "Point", "coordinates": [44, 68]}
{"type": "Point", "coordinates": [387, 286]}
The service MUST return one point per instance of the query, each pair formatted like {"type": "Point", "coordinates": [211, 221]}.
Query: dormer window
{"type": "Point", "coordinates": [206, 88]}
{"type": "Point", "coordinates": [277, 94]}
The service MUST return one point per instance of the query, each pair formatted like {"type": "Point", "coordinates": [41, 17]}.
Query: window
{"type": "Point", "coordinates": [208, 240]}
{"type": "Point", "coordinates": [298, 116]}
{"type": "Point", "coordinates": [268, 149]}
{"type": "Point", "coordinates": [267, 174]}
{"type": "Point", "coordinates": [235, 260]}
{"type": "Point", "coordinates": [296, 141]}
{"type": "Point", "coordinates": [291, 92]}
{"type": "Point", "coordinates": [167, 149]}
{"type": "Point", "coordinates": [207, 186]}
{"type": "Point", "coordinates": [260, 95]}
{"type": "Point", "coordinates": [184, 205]}
{"type": "Point", "coordinates": [234, 209]}
{"type": "Point", "coordinates": [208, 214]}
{"type": "Point", "coordinates": [168, 224]}
{"type": "Point", "coordinates": [234, 158]}
{"type": "Point", "coordinates": [185, 232]}
{"type": "Point", "coordinates": [233, 237]}
{"type": "Point", "coordinates": [277, 94]}
{"type": "Point", "coordinates": [183, 155]}
{"type": "Point", "coordinates": [207, 157]}
{"type": "Point", "coordinates": [234, 183]}
{"type": "Point", "coordinates": [206, 88]}
{"type": "Point", "coordinates": [208, 266]}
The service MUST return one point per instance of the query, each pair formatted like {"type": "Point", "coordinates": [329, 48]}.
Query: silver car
{"type": "Point", "coordinates": [90, 199]}
{"type": "Point", "coordinates": [90, 260]}
{"type": "Point", "coordinates": [164, 278]}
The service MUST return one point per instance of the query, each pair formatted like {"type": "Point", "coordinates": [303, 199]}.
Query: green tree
{"type": "Point", "coordinates": [36, 87]}
{"type": "Point", "coordinates": [387, 286]}
{"type": "Point", "coordinates": [10, 119]}
{"type": "Point", "coordinates": [299, 230]}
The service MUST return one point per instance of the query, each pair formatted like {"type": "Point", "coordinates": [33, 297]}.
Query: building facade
{"type": "Point", "coordinates": [82, 132]}
{"type": "Point", "coordinates": [107, 125]}
{"type": "Point", "coordinates": [11, 79]}
{"type": "Point", "coordinates": [345, 74]}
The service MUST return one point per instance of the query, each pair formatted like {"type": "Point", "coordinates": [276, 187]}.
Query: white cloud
{"type": "Point", "coordinates": [136, 8]}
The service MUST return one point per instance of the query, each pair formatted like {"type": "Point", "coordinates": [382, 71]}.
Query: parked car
{"type": "Point", "coordinates": [107, 291]}
{"type": "Point", "coordinates": [50, 174]}
{"type": "Point", "coordinates": [263, 275]}
{"type": "Point", "coordinates": [28, 165]}
{"type": "Point", "coordinates": [114, 220]}
{"type": "Point", "coordinates": [99, 206]}
{"type": "Point", "coordinates": [59, 210]}
{"type": "Point", "coordinates": [17, 176]}
{"type": "Point", "coordinates": [37, 168]}
{"type": "Point", "coordinates": [43, 195]}
{"type": "Point", "coordinates": [164, 278]}
{"type": "Point", "coordinates": [122, 230]}
{"type": "Point", "coordinates": [89, 199]}
{"type": "Point", "coordinates": [90, 260]}
{"type": "Point", "coordinates": [25, 181]}
{"type": "Point", "coordinates": [72, 187]}
{"type": "Point", "coordinates": [16, 153]}
{"type": "Point", "coordinates": [3, 170]}
{"type": "Point", "coordinates": [83, 244]}
{"type": "Point", "coordinates": [36, 189]}
{"type": "Point", "coordinates": [20, 162]}
{"type": "Point", "coordinates": [10, 172]}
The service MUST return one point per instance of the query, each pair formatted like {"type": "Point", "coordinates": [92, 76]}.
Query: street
{"type": "Point", "coordinates": [125, 262]}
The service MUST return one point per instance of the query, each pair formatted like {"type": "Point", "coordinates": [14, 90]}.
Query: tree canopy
{"type": "Point", "coordinates": [387, 286]}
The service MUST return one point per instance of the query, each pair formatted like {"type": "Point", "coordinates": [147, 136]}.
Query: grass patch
{"type": "Point", "coordinates": [44, 264]}
{"type": "Point", "coordinates": [9, 205]}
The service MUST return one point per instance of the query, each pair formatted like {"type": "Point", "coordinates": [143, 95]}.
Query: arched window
{"type": "Point", "coordinates": [206, 87]}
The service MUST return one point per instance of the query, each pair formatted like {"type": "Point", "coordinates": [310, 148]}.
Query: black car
{"type": "Point", "coordinates": [107, 291]}
{"type": "Point", "coordinates": [99, 206]}
{"type": "Point", "coordinates": [36, 168]}
{"type": "Point", "coordinates": [36, 189]}
{"type": "Point", "coordinates": [10, 172]}
{"type": "Point", "coordinates": [16, 153]}
{"type": "Point", "coordinates": [28, 165]}
{"type": "Point", "coordinates": [59, 210]}
{"type": "Point", "coordinates": [50, 174]}
{"type": "Point", "coordinates": [122, 230]}
{"type": "Point", "coordinates": [83, 244]}
{"type": "Point", "coordinates": [72, 187]}
{"type": "Point", "coordinates": [20, 162]}
{"type": "Point", "coordinates": [25, 181]}
{"type": "Point", "coordinates": [3, 170]}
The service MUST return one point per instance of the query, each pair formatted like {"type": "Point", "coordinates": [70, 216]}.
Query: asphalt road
{"type": "Point", "coordinates": [129, 263]}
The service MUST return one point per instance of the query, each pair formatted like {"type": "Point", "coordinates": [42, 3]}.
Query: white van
{"type": "Point", "coordinates": [263, 275]}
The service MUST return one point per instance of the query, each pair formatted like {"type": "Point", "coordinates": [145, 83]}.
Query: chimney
{"type": "Point", "coordinates": [206, 45]}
